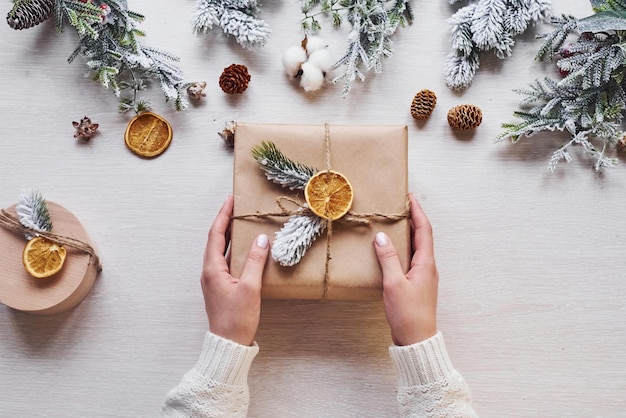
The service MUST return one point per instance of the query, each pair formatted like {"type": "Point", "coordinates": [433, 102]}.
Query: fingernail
{"type": "Point", "coordinates": [262, 241]}
{"type": "Point", "coordinates": [381, 239]}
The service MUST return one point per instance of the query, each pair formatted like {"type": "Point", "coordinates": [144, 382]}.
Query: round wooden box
{"type": "Point", "coordinates": [54, 294]}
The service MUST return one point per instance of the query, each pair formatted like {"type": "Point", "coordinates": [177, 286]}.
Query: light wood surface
{"type": "Point", "coordinates": [532, 289]}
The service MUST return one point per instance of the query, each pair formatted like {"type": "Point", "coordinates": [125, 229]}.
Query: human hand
{"type": "Point", "coordinates": [233, 305]}
{"type": "Point", "coordinates": [410, 299]}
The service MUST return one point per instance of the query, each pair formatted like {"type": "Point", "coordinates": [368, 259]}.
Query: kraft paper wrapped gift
{"type": "Point", "coordinates": [373, 158]}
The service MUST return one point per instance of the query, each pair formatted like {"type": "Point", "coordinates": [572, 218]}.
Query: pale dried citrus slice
{"type": "Point", "coordinates": [42, 258]}
{"type": "Point", "coordinates": [148, 134]}
{"type": "Point", "coordinates": [329, 194]}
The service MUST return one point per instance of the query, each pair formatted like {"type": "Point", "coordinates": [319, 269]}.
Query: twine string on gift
{"type": "Point", "coordinates": [12, 223]}
{"type": "Point", "coordinates": [329, 222]}
{"type": "Point", "coordinates": [350, 217]}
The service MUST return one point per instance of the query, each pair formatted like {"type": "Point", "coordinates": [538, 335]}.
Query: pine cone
{"type": "Point", "coordinates": [235, 79]}
{"type": "Point", "coordinates": [423, 104]}
{"type": "Point", "coordinates": [465, 117]}
{"type": "Point", "coordinates": [28, 13]}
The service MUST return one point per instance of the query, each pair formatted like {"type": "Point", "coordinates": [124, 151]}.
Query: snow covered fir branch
{"type": "Point", "coordinates": [373, 23]}
{"type": "Point", "coordinates": [109, 41]}
{"type": "Point", "coordinates": [32, 211]}
{"type": "Point", "coordinates": [295, 238]}
{"type": "Point", "coordinates": [238, 19]}
{"type": "Point", "coordinates": [280, 169]}
{"type": "Point", "coordinates": [589, 101]}
{"type": "Point", "coordinates": [487, 25]}
{"type": "Point", "coordinates": [300, 231]}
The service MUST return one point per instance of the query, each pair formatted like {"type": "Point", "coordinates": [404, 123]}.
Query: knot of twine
{"type": "Point", "coordinates": [12, 223]}
{"type": "Point", "coordinates": [350, 217]}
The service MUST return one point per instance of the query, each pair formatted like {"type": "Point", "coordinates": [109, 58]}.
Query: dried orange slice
{"type": "Point", "coordinates": [329, 194]}
{"type": "Point", "coordinates": [42, 258]}
{"type": "Point", "coordinates": [148, 134]}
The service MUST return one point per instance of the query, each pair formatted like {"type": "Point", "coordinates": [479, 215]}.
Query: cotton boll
{"type": "Point", "coordinates": [313, 43]}
{"type": "Point", "coordinates": [293, 59]}
{"type": "Point", "coordinates": [312, 77]}
{"type": "Point", "coordinates": [321, 59]}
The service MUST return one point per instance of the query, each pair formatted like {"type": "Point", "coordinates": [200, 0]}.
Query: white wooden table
{"type": "Point", "coordinates": [532, 264]}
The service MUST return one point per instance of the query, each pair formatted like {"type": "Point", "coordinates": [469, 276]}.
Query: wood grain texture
{"type": "Point", "coordinates": [532, 283]}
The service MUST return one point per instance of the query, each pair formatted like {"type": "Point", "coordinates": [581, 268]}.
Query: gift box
{"type": "Point", "coordinates": [60, 292]}
{"type": "Point", "coordinates": [344, 267]}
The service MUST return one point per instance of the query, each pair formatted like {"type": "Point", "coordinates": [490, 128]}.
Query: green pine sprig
{"type": "Point", "coordinates": [83, 16]}
{"type": "Point", "coordinates": [280, 169]}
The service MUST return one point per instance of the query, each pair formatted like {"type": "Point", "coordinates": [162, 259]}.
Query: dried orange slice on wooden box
{"type": "Point", "coordinates": [329, 194]}
{"type": "Point", "coordinates": [148, 134]}
{"type": "Point", "coordinates": [43, 258]}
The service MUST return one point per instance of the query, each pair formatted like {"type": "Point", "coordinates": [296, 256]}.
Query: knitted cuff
{"type": "Point", "coordinates": [225, 361]}
{"type": "Point", "coordinates": [421, 363]}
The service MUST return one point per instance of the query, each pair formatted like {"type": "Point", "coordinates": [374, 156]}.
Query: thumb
{"type": "Point", "coordinates": [388, 259]}
{"type": "Point", "coordinates": [255, 263]}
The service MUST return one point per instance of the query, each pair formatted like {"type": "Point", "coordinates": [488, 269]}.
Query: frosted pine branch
{"type": "Point", "coordinates": [250, 32]}
{"type": "Point", "coordinates": [32, 212]}
{"type": "Point", "coordinates": [236, 18]}
{"type": "Point", "coordinates": [487, 25]}
{"type": "Point", "coordinates": [373, 23]}
{"type": "Point", "coordinates": [109, 40]}
{"type": "Point", "coordinates": [280, 169]}
{"type": "Point", "coordinates": [589, 101]}
{"type": "Point", "coordinates": [206, 15]}
{"type": "Point", "coordinates": [295, 238]}
{"type": "Point", "coordinates": [170, 76]}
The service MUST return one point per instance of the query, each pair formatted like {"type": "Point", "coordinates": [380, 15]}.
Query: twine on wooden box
{"type": "Point", "coordinates": [12, 223]}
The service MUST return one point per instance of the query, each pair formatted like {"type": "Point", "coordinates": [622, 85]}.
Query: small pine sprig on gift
{"type": "Point", "coordinates": [373, 23]}
{"type": "Point", "coordinates": [487, 25]}
{"type": "Point", "coordinates": [589, 101]}
{"type": "Point", "coordinates": [32, 212]}
{"type": "Point", "coordinates": [295, 238]}
{"type": "Point", "coordinates": [109, 40]}
{"type": "Point", "coordinates": [237, 18]}
{"type": "Point", "coordinates": [300, 231]}
{"type": "Point", "coordinates": [280, 169]}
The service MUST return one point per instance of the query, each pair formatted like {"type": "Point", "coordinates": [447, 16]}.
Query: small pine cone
{"type": "Point", "coordinates": [465, 117]}
{"type": "Point", "coordinates": [235, 79]}
{"type": "Point", "coordinates": [621, 144]}
{"type": "Point", "coordinates": [28, 13]}
{"type": "Point", "coordinates": [423, 104]}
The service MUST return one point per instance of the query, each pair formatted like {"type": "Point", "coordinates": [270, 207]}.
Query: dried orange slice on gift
{"type": "Point", "coordinates": [42, 258]}
{"type": "Point", "coordinates": [148, 134]}
{"type": "Point", "coordinates": [329, 195]}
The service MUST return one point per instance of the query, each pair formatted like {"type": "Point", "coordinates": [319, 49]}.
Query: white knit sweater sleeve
{"type": "Point", "coordinates": [428, 384]}
{"type": "Point", "coordinates": [218, 384]}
